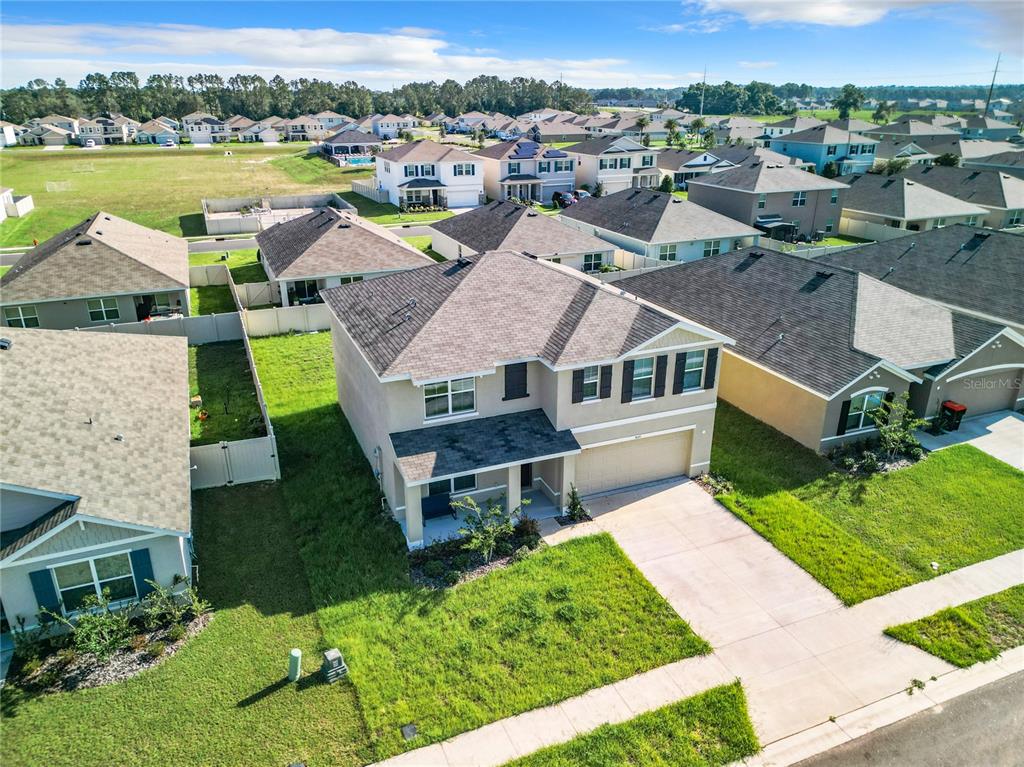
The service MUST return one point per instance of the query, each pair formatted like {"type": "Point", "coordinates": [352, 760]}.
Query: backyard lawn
{"type": "Point", "coordinates": [706, 730]}
{"type": "Point", "coordinates": [865, 536]}
{"type": "Point", "coordinates": [386, 213]}
{"type": "Point", "coordinates": [974, 632]}
{"type": "Point", "coordinates": [423, 242]}
{"type": "Point", "coordinates": [219, 373]}
{"type": "Point", "coordinates": [211, 299]}
{"type": "Point", "coordinates": [242, 263]}
{"type": "Point", "coordinates": [552, 626]}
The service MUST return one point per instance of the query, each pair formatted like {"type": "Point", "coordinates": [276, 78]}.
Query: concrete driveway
{"type": "Point", "coordinates": [999, 434]}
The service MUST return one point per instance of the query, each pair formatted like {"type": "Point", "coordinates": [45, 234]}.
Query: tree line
{"type": "Point", "coordinates": [257, 97]}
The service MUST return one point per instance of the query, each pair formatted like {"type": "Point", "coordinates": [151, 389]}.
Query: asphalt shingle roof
{"type": "Point", "coordinates": [353, 136]}
{"type": "Point", "coordinates": [426, 151]}
{"type": "Point", "coordinates": [765, 177]}
{"type": "Point", "coordinates": [972, 185]}
{"type": "Point", "coordinates": [901, 198]}
{"type": "Point", "coordinates": [613, 144]}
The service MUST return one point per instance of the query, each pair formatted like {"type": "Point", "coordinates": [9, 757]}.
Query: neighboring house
{"type": "Point", "coordinates": [332, 121]}
{"type": "Point", "coordinates": [8, 133]}
{"type": "Point", "coordinates": [304, 128]}
{"type": "Point", "coordinates": [239, 123]}
{"type": "Point", "coordinates": [207, 130]}
{"type": "Point", "coordinates": [900, 148]}
{"type": "Point", "coordinates": [1000, 194]}
{"type": "Point", "coordinates": [616, 163]}
{"type": "Point", "coordinates": [820, 347]}
{"type": "Point", "coordinates": [69, 124]}
{"type": "Point", "coordinates": [156, 132]}
{"type": "Point", "coordinates": [972, 271]}
{"type": "Point", "coordinates": [102, 271]}
{"type": "Point", "coordinates": [94, 470]}
{"type": "Point", "coordinates": [196, 117]}
{"type": "Point", "coordinates": [267, 130]}
{"type": "Point", "coordinates": [967, 150]}
{"type": "Point", "coordinates": [45, 135]}
{"type": "Point", "coordinates": [823, 144]}
{"type": "Point", "coordinates": [741, 134]}
{"type": "Point", "coordinates": [945, 121]}
{"type": "Point", "coordinates": [911, 129]}
{"type": "Point", "coordinates": [877, 207]}
{"type": "Point", "coordinates": [988, 128]}
{"type": "Point", "coordinates": [508, 376]}
{"type": "Point", "coordinates": [853, 126]}
{"type": "Point", "coordinates": [684, 164]}
{"type": "Point", "coordinates": [526, 170]}
{"type": "Point", "coordinates": [13, 206]}
{"type": "Point", "coordinates": [436, 118]}
{"type": "Point", "coordinates": [169, 122]}
{"type": "Point", "coordinates": [349, 142]}
{"type": "Point", "coordinates": [791, 125]}
{"type": "Point", "coordinates": [327, 248]}
{"type": "Point", "coordinates": [504, 225]}
{"type": "Point", "coordinates": [389, 126]}
{"type": "Point", "coordinates": [558, 129]}
{"type": "Point", "coordinates": [658, 225]}
{"type": "Point", "coordinates": [428, 173]}
{"type": "Point", "coordinates": [778, 199]}
{"type": "Point", "coordinates": [1010, 162]}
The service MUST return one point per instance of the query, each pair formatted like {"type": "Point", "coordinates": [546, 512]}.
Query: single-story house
{"type": "Point", "coordinates": [1001, 194]}
{"type": "Point", "coordinates": [101, 271]}
{"type": "Point", "coordinates": [156, 132]}
{"type": "Point", "coordinates": [506, 225]}
{"type": "Point", "coordinates": [45, 135]}
{"type": "Point", "coordinates": [684, 164]}
{"type": "Point", "coordinates": [328, 247]}
{"type": "Point", "coordinates": [351, 142]}
{"type": "Point", "coordinates": [94, 470]}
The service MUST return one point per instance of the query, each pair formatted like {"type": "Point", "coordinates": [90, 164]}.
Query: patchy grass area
{"type": "Point", "coordinates": [423, 242]}
{"type": "Point", "coordinates": [552, 626]}
{"type": "Point", "coordinates": [219, 373]}
{"type": "Point", "coordinates": [211, 299]}
{"type": "Point", "coordinates": [706, 730]}
{"type": "Point", "coordinates": [971, 633]}
{"type": "Point", "coordinates": [865, 536]}
{"type": "Point", "coordinates": [223, 699]}
{"type": "Point", "coordinates": [312, 168]}
{"type": "Point", "coordinates": [386, 213]}
{"type": "Point", "coordinates": [242, 263]}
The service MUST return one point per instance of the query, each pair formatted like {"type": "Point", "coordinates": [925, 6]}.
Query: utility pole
{"type": "Point", "coordinates": [703, 87]}
{"type": "Point", "coordinates": [988, 101]}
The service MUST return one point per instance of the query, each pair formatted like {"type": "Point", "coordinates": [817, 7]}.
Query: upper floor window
{"type": "Point", "coordinates": [592, 261]}
{"type": "Point", "coordinates": [606, 163]}
{"type": "Point", "coordinates": [21, 316]}
{"type": "Point", "coordinates": [410, 170]}
{"type": "Point", "coordinates": [450, 397]}
{"type": "Point", "coordinates": [862, 408]}
{"type": "Point", "coordinates": [643, 378]}
{"type": "Point", "coordinates": [544, 167]}
{"type": "Point", "coordinates": [712, 248]}
{"type": "Point", "coordinates": [831, 151]}
{"type": "Point", "coordinates": [465, 169]}
{"type": "Point", "coordinates": [854, 149]}
{"type": "Point", "coordinates": [647, 161]}
{"type": "Point", "coordinates": [513, 167]}
{"type": "Point", "coordinates": [667, 252]}
{"type": "Point", "coordinates": [834, 197]}
{"type": "Point", "coordinates": [563, 166]}
{"type": "Point", "coordinates": [625, 162]}
{"type": "Point", "coordinates": [591, 374]}
{"type": "Point", "coordinates": [799, 199]}
{"type": "Point", "coordinates": [693, 370]}
{"type": "Point", "coordinates": [762, 200]}
{"type": "Point", "coordinates": [101, 309]}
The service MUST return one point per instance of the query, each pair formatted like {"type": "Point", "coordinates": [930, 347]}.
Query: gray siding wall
{"type": "Point", "coordinates": [64, 315]}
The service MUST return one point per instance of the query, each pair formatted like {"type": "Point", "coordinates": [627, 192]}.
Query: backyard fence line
{"type": "Point", "coordinates": [368, 190]}
{"type": "Point", "coordinates": [256, 294]}
{"type": "Point", "coordinates": [208, 274]}
{"type": "Point", "coordinates": [198, 330]}
{"type": "Point", "coordinates": [282, 320]}
{"type": "Point", "coordinates": [806, 252]}
{"type": "Point", "coordinates": [234, 463]}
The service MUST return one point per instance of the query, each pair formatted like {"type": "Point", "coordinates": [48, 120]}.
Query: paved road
{"type": "Point", "coordinates": [984, 727]}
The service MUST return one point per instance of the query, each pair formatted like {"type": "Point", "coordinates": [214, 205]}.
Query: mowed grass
{"type": "Point", "coordinates": [223, 699]}
{"type": "Point", "coordinates": [423, 242]}
{"type": "Point", "coordinates": [211, 299]}
{"type": "Point", "coordinates": [707, 730]}
{"type": "Point", "coordinates": [242, 263]}
{"type": "Point", "coordinates": [865, 536]}
{"type": "Point", "coordinates": [974, 632]}
{"type": "Point", "coordinates": [559, 623]}
{"type": "Point", "coordinates": [219, 373]}
{"type": "Point", "coordinates": [386, 213]}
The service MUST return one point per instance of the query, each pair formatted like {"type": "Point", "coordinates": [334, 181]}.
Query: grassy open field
{"type": "Point", "coordinates": [219, 373]}
{"type": "Point", "coordinates": [862, 536]}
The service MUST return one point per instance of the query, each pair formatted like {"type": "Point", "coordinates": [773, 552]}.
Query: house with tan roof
{"type": "Point", "coordinates": [1001, 194]}
{"type": "Point", "coordinates": [683, 164]}
{"type": "Point", "coordinates": [327, 248]}
{"type": "Point", "coordinates": [526, 170]}
{"type": "Point", "coordinates": [69, 124]}
{"type": "Point", "coordinates": [94, 470]}
{"type": "Point", "coordinates": [425, 173]}
{"type": "Point", "coordinates": [103, 270]}
{"type": "Point", "coordinates": [389, 126]}
{"type": "Point", "coordinates": [455, 387]}
{"type": "Point", "coordinates": [45, 135]}
{"type": "Point", "coordinates": [156, 132]}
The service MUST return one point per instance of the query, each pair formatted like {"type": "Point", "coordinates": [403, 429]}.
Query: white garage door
{"type": "Point", "coordinates": [463, 199]}
{"type": "Point", "coordinates": [633, 462]}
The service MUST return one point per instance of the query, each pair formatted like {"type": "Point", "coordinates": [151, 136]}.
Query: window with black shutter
{"type": "Point", "coordinates": [844, 414]}
{"type": "Point", "coordinates": [627, 381]}
{"type": "Point", "coordinates": [606, 381]}
{"type": "Point", "coordinates": [577, 385]}
{"type": "Point", "coordinates": [660, 369]}
{"type": "Point", "coordinates": [515, 381]}
{"type": "Point", "coordinates": [710, 368]}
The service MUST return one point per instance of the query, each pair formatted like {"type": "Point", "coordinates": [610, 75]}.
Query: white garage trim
{"type": "Point", "coordinates": [985, 371]}
{"type": "Point", "coordinates": [641, 418]}
{"type": "Point", "coordinates": [635, 437]}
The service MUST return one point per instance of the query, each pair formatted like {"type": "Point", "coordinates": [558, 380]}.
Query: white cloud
{"type": "Point", "coordinates": [832, 13]}
{"type": "Point", "coordinates": [699, 25]}
{"type": "Point", "coordinates": [757, 64]}
{"type": "Point", "coordinates": [415, 31]}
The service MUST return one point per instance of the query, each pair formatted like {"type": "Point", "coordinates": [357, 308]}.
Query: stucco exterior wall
{"type": "Point", "coordinates": [876, 379]}
{"type": "Point", "coordinates": [985, 390]}
{"type": "Point", "coordinates": [742, 206]}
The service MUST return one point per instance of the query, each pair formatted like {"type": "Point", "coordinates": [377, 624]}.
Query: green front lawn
{"type": "Point", "coordinates": [4, 269]}
{"type": "Point", "coordinates": [211, 299]}
{"type": "Point", "coordinates": [971, 633]}
{"type": "Point", "coordinates": [386, 213]}
{"type": "Point", "coordinates": [223, 699]}
{"type": "Point", "coordinates": [242, 263]}
{"type": "Point", "coordinates": [550, 627]}
{"type": "Point", "coordinates": [312, 168]}
{"type": "Point", "coordinates": [219, 373]}
{"type": "Point", "coordinates": [865, 536]}
{"type": "Point", "coordinates": [423, 242]}
{"type": "Point", "coordinates": [706, 730]}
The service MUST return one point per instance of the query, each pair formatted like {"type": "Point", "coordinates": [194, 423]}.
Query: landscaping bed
{"type": "Point", "coordinates": [386, 213]}
{"type": "Point", "coordinates": [974, 632]}
{"type": "Point", "coordinates": [219, 374]}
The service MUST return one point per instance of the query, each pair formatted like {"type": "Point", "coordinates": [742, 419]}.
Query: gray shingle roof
{"type": "Point", "coordinates": [426, 151]}
{"type": "Point", "coordinates": [505, 225]}
{"type": "Point", "coordinates": [353, 136]}
{"type": "Point", "coordinates": [614, 144]}
{"type": "Point", "coordinates": [455, 318]}
{"type": "Point", "coordinates": [469, 446]}
{"type": "Point", "coordinates": [825, 134]}
{"type": "Point", "coordinates": [901, 198]}
{"type": "Point", "coordinates": [767, 177]}
{"type": "Point", "coordinates": [674, 159]}
{"type": "Point", "coordinates": [914, 128]}
{"type": "Point", "coordinates": [328, 243]}
{"type": "Point", "coordinates": [972, 185]}
{"type": "Point", "coordinates": [656, 217]}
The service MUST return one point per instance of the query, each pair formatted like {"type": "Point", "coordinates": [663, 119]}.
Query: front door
{"type": "Point", "coordinates": [526, 475]}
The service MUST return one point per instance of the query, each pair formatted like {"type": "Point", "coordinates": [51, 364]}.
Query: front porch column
{"type": "Point", "coordinates": [283, 286]}
{"type": "Point", "coordinates": [568, 478]}
{"type": "Point", "coordinates": [414, 515]}
{"type": "Point", "coordinates": [513, 494]}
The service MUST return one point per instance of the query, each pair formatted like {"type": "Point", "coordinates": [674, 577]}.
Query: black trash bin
{"type": "Point", "coordinates": [952, 414]}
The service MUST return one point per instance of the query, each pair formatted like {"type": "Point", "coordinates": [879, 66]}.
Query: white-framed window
{"type": "Point", "coordinates": [605, 163]}
{"type": "Point", "coordinates": [591, 374]}
{"type": "Point", "coordinates": [592, 261]}
{"type": "Point", "coordinates": [77, 580]}
{"type": "Point", "coordinates": [972, 221]}
{"type": "Point", "coordinates": [762, 200]}
{"type": "Point", "coordinates": [544, 167]}
{"type": "Point", "coordinates": [799, 199]}
{"type": "Point", "coordinates": [513, 167]}
{"type": "Point", "coordinates": [462, 484]}
{"type": "Point", "coordinates": [693, 370]}
{"type": "Point", "coordinates": [306, 289]}
{"type": "Point", "coordinates": [410, 171]}
{"type": "Point", "coordinates": [449, 397]}
{"type": "Point", "coordinates": [834, 197]}
{"type": "Point", "coordinates": [647, 161]}
{"type": "Point", "coordinates": [625, 162]}
{"type": "Point", "coordinates": [643, 378]}
{"type": "Point", "coordinates": [712, 248]}
{"type": "Point", "coordinates": [349, 280]}
{"type": "Point", "coordinates": [861, 409]}
{"type": "Point", "coordinates": [831, 151]}
{"type": "Point", "coordinates": [103, 309]}
{"type": "Point", "coordinates": [21, 316]}
{"type": "Point", "coordinates": [854, 149]}
{"type": "Point", "coordinates": [667, 252]}
{"type": "Point", "coordinates": [939, 223]}
{"type": "Point", "coordinates": [465, 169]}
{"type": "Point", "coordinates": [563, 166]}
{"type": "Point", "coordinates": [829, 225]}
{"type": "Point", "coordinates": [1015, 218]}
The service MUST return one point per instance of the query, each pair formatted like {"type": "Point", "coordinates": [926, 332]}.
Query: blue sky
{"type": "Point", "coordinates": [593, 44]}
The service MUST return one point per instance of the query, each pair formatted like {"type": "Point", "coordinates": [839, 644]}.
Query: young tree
{"type": "Point", "coordinates": [485, 528]}
{"type": "Point", "coordinates": [894, 166]}
{"type": "Point", "coordinates": [947, 159]}
{"type": "Point", "coordinates": [896, 424]}
{"type": "Point", "coordinates": [708, 142]}
{"type": "Point", "coordinates": [667, 185]}
{"type": "Point", "coordinates": [829, 171]}
{"type": "Point", "coordinates": [442, 132]}
{"type": "Point", "coordinates": [849, 100]}
{"type": "Point", "coordinates": [574, 508]}
{"type": "Point", "coordinates": [881, 113]}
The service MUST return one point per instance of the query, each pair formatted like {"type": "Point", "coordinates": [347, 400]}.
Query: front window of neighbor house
{"type": "Point", "coordinates": [563, 166]}
{"type": "Point", "coordinates": [21, 316]}
{"type": "Point", "coordinates": [101, 309]}
{"type": "Point", "coordinates": [465, 169]}
{"type": "Point", "coordinates": [544, 167]}
{"type": "Point", "coordinates": [513, 168]}
{"type": "Point", "coordinates": [862, 408]}
{"type": "Point", "coordinates": [762, 200]}
{"type": "Point", "coordinates": [667, 252]}
{"type": "Point", "coordinates": [712, 248]}
{"type": "Point", "coordinates": [592, 261]}
{"type": "Point", "coordinates": [831, 151]}
{"type": "Point", "coordinates": [77, 580]}
{"type": "Point", "coordinates": [605, 163]}
{"type": "Point", "coordinates": [449, 397]}
{"type": "Point", "coordinates": [1016, 217]}
{"type": "Point", "coordinates": [590, 378]}
{"type": "Point", "coordinates": [647, 161]}
{"type": "Point", "coordinates": [693, 370]}
{"type": "Point", "coordinates": [799, 199]}
{"type": "Point", "coordinates": [625, 162]}
{"type": "Point", "coordinates": [972, 221]}
{"type": "Point", "coordinates": [643, 378]}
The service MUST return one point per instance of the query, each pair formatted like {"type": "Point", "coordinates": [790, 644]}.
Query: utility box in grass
{"type": "Point", "coordinates": [333, 667]}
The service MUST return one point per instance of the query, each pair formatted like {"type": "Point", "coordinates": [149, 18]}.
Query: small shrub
{"type": "Point", "coordinates": [527, 532]}
{"type": "Point", "coordinates": [161, 606]}
{"type": "Point", "coordinates": [484, 529]}
{"type": "Point", "coordinates": [462, 561]}
{"type": "Point", "coordinates": [30, 666]}
{"type": "Point", "coordinates": [717, 484]}
{"type": "Point", "coordinates": [138, 642]}
{"type": "Point", "coordinates": [434, 569]}
{"type": "Point", "coordinates": [574, 507]}
{"type": "Point", "coordinates": [848, 462]}
{"type": "Point", "coordinates": [97, 629]}
{"type": "Point", "coordinates": [155, 649]}
{"type": "Point", "coordinates": [176, 632]}
{"type": "Point", "coordinates": [868, 462]}
{"type": "Point", "coordinates": [451, 578]}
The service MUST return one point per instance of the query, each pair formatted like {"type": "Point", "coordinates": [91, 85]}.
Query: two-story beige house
{"type": "Point", "coordinates": [502, 375]}
{"type": "Point", "coordinates": [616, 163]}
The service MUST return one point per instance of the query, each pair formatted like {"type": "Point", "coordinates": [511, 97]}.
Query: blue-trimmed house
{"type": "Point", "coordinates": [823, 144]}
{"type": "Point", "coordinates": [156, 132]}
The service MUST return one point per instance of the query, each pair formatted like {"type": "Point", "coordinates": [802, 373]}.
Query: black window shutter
{"type": "Point", "coordinates": [660, 369]}
{"type": "Point", "coordinates": [844, 411]}
{"type": "Point", "coordinates": [710, 368]}
{"type": "Point", "coordinates": [577, 386]}
{"type": "Point", "coordinates": [515, 381]}
{"type": "Point", "coordinates": [677, 374]}
{"type": "Point", "coordinates": [606, 381]}
{"type": "Point", "coordinates": [627, 381]}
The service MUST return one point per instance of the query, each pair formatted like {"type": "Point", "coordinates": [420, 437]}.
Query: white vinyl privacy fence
{"type": "Point", "coordinates": [281, 320]}
{"type": "Point", "coordinates": [202, 329]}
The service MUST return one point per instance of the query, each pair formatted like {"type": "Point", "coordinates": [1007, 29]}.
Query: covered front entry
{"type": "Point", "coordinates": [633, 462]}
{"type": "Point", "coordinates": [521, 187]}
